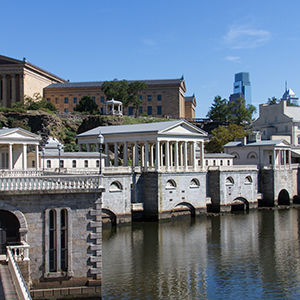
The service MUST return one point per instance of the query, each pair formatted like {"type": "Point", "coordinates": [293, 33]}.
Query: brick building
{"type": "Point", "coordinates": [162, 98]}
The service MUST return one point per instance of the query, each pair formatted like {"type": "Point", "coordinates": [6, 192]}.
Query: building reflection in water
{"type": "Point", "coordinates": [221, 257]}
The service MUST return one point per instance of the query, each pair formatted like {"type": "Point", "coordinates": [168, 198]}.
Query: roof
{"type": "Point", "coordinates": [7, 132]}
{"type": "Point", "coordinates": [218, 155]}
{"type": "Point", "coordinates": [90, 84]}
{"type": "Point", "coordinates": [157, 127]}
{"type": "Point", "coordinates": [258, 144]}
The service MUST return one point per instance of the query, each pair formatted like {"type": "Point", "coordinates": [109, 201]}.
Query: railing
{"type": "Point", "coordinates": [19, 283]}
{"type": "Point", "coordinates": [51, 182]}
{"type": "Point", "coordinates": [19, 173]}
{"type": "Point", "coordinates": [233, 168]}
{"type": "Point", "coordinates": [20, 252]}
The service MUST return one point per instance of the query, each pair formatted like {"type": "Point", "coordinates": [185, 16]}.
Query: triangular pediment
{"type": "Point", "coordinates": [18, 135]}
{"type": "Point", "coordinates": [4, 60]}
{"type": "Point", "coordinates": [184, 128]}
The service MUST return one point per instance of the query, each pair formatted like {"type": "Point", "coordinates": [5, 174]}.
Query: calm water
{"type": "Point", "coordinates": [235, 256]}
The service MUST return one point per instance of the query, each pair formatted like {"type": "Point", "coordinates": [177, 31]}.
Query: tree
{"type": "Point", "coordinates": [239, 113]}
{"type": "Point", "coordinates": [273, 100]}
{"type": "Point", "coordinates": [219, 109]}
{"type": "Point", "coordinates": [127, 93]}
{"type": "Point", "coordinates": [86, 104]}
{"type": "Point", "coordinates": [223, 135]}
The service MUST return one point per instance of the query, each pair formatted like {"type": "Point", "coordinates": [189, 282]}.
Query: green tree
{"type": "Point", "coordinates": [127, 93]}
{"type": "Point", "coordinates": [223, 135]}
{"type": "Point", "coordinates": [273, 100]}
{"type": "Point", "coordinates": [219, 110]}
{"type": "Point", "coordinates": [239, 113]}
{"type": "Point", "coordinates": [86, 104]}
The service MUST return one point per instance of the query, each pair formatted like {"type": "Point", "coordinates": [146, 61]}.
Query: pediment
{"type": "Point", "coordinates": [4, 60]}
{"type": "Point", "coordinates": [184, 128]}
{"type": "Point", "coordinates": [18, 135]}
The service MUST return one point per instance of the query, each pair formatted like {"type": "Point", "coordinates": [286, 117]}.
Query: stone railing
{"type": "Point", "coordinates": [20, 173]}
{"type": "Point", "coordinates": [20, 252]}
{"type": "Point", "coordinates": [233, 168]}
{"type": "Point", "coordinates": [51, 182]}
{"type": "Point", "coordinates": [19, 283]}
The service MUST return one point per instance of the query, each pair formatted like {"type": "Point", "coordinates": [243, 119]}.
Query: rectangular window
{"type": "Point", "coordinates": [63, 240]}
{"type": "Point", "coordinates": [102, 99]}
{"type": "Point", "coordinates": [149, 110]}
{"type": "Point", "coordinates": [66, 110]}
{"type": "Point", "coordinates": [130, 111]}
{"type": "Point", "coordinates": [74, 164]}
{"type": "Point", "coordinates": [75, 100]}
{"type": "Point", "coordinates": [149, 97]}
{"type": "Point", "coordinates": [66, 100]}
{"type": "Point", "coordinates": [221, 162]}
{"type": "Point", "coordinates": [206, 162]}
{"type": "Point", "coordinates": [158, 97]}
{"type": "Point", "coordinates": [97, 163]}
{"type": "Point", "coordinates": [33, 163]}
{"type": "Point", "coordinates": [48, 163]}
{"type": "Point", "coordinates": [298, 140]}
{"type": "Point", "coordinates": [86, 163]}
{"type": "Point", "coordinates": [52, 241]}
{"type": "Point", "coordinates": [159, 110]}
{"type": "Point", "coordinates": [56, 100]}
{"type": "Point", "coordinates": [94, 99]}
{"type": "Point", "coordinates": [228, 162]}
{"type": "Point", "coordinates": [61, 163]}
{"type": "Point", "coordinates": [141, 97]}
{"type": "Point", "coordinates": [48, 99]}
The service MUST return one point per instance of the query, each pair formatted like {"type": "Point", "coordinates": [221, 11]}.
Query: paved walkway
{"type": "Point", "coordinates": [7, 288]}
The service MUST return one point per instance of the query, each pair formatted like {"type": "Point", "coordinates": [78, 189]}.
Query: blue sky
{"type": "Point", "coordinates": [206, 41]}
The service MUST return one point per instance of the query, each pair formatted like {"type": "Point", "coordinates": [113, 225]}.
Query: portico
{"type": "Point", "coordinates": [165, 146]}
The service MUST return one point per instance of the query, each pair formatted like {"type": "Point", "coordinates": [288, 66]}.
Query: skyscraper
{"type": "Point", "coordinates": [241, 88]}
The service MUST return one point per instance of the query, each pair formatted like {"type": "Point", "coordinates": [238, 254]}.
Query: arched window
{"type": "Point", "coordinates": [52, 241]}
{"type": "Point", "coordinates": [236, 156]}
{"type": "Point", "coordinates": [63, 240]}
{"type": "Point", "coordinates": [171, 184]}
{"type": "Point", "coordinates": [194, 183]}
{"type": "Point", "coordinates": [252, 155]}
{"type": "Point", "coordinates": [115, 186]}
{"type": "Point", "coordinates": [248, 180]}
{"type": "Point", "coordinates": [229, 181]}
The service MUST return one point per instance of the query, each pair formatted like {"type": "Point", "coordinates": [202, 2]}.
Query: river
{"type": "Point", "coordinates": [253, 255]}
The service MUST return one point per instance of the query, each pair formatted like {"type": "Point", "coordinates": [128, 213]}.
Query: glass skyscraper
{"type": "Point", "coordinates": [241, 88]}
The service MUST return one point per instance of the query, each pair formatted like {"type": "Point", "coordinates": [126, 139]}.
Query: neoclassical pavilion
{"type": "Point", "coordinates": [14, 144]}
{"type": "Point", "coordinates": [113, 107]}
{"type": "Point", "coordinates": [163, 146]}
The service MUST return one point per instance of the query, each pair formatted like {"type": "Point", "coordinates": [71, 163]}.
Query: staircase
{"type": "Point", "coordinates": [7, 288]}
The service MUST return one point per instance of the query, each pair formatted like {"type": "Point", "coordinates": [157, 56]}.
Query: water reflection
{"type": "Point", "coordinates": [253, 255]}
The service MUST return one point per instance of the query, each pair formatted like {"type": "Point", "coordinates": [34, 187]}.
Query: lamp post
{"type": "Point", "coordinates": [100, 140]}
{"type": "Point", "coordinates": [59, 147]}
{"type": "Point", "coordinates": [43, 151]}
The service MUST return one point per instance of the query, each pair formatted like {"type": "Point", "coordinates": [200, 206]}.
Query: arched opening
{"type": "Point", "coordinates": [240, 204]}
{"type": "Point", "coordinates": [115, 186]}
{"type": "Point", "coordinates": [171, 184]}
{"type": "Point", "coordinates": [108, 217]}
{"type": "Point", "coordinates": [283, 198]}
{"type": "Point", "coordinates": [194, 183]}
{"type": "Point", "coordinates": [183, 209]}
{"type": "Point", "coordinates": [9, 230]}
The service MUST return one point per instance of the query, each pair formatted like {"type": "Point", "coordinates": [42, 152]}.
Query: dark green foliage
{"type": "Point", "coordinates": [71, 148]}
{"type": "Point", "coordinates": [219, 110]}
{"type": "Point", "coordinates": [273, 100]}
{"type": "Point", "coordinates": [86, 104]}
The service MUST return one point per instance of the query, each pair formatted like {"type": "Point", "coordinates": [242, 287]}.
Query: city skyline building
{"type": "Point", "coordinates": [241, 88]}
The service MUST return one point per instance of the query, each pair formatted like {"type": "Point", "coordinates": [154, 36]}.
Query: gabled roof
{"type": "Point", "coordinates": [18, 135]}
{"type": "Point", "coordinates": [274, 143]}
{"type": "Point", "coordinates": [170, 127]}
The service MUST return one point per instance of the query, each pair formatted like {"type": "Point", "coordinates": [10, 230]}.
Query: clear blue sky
{"type": "Point", "coordinates": [206, 41]}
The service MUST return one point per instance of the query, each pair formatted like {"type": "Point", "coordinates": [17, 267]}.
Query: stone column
{"type": "Point", "coordinates": [107, 155]}
{"type": "Point", "coordinates": [202, 154]}
{"type": "Point", "coordinates": [274, 157]}
{"type": "Point", "coordinates": [88, 147]}
{"type": "Point", "coordinates": [24, 157]}
{"type": "Point", "coordinates": [167, 155]}
{"type": "Point", "coordinates": [176, 156]}
{"type": "Point", "coordinates": [37, 165]}
{"type": "Point", "coordinates": [21, 87]}
{"type": "Point", "coordinates": [146, 155]}
{"type": "Point", "coordinates": [116, 154]}
{"type": "Point", "coordinates": [181, 163]}
{"type": "Point", "coordinates": [151, 155]}
{"type": "Point", "coordinates": [161, 149]}
{"type": "Point", "coordinates": [10, 157]}
{"type": "Point", "coordinates": [157, 158]}
{"type": "Point", "coordinates": [171, 154]}
{"type": "Point", "coordinates": [4, 92]}
{"type": "Point", "coordinates": [142, 154]}
{"type": "Point", "coordinates": [13, 89]}
{"type": "Point", "coordinates": [194, 155]}
{"type": "Point", "coordinates": [185, 156]}
{"type": "Point", "coordinates": [125, 154]}
{"type": "Point", "coordinates": [79, 148]}
{"type": "Point", "coordinates": [136, 154]}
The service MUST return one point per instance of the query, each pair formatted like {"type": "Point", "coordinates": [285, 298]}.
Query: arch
{"type": "Point", "coordinates": [115, 186]}
{"type": "Point", "coordinates": [236, 155]}
{"type": "Point", "coordinates": [252, 155]}
{"type": "Point", "coordinates": [109, 217]}
{"type": "Point", "coordinates": [284, 198]}
{"type": "Point", "coordinates": [183, 209]}
{"type": "Point", "coordinates": [240, 204]}
{"type": "Point", "coordinates": [229, 181]}
{"type": "Point", "coordinates": [171, 184]}
{"type": "Point", "coordinates": [194, 183]}
{"type": "Point", "coordinates": [248, 180]}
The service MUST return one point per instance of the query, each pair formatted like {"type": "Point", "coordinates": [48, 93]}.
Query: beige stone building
{"type": "Point", "coordinates": [162, 98]}
{"type": "Point", "coordinates": [19, 78]}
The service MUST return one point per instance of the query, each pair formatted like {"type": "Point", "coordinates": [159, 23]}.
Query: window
{"type": "Point", "coordinates": [159, 110]}
{"type": "Point", "coordinates": [149, 110]}
{"type": "Point", "coordinates": [101, 110]}
{"type": "Point", "coordinates": [248, 180]}
{"type": "Point", "coordinates": [236, 156]}
{"type": "Point", "coordinates": [48, 163]}
{"type": "Point", "coordinates": [102, 98]}
{"type": "Point", "coordinates": [276, 119]}
{"type": "Point", "coordinates": [97, 163]}
{"type": "Point", "coordinates": [206, 162]}
{"type": "Point", "coordinates": [61, 163]}
{"type": "Point", "coordinates": [214, 162]}
{"type": "Point", "coordinates": [158, 97]}
{"type": "Point", "coordinates": [264, 132]}
{"type": "Point", "coordinates": [115, 186]}
{"type": "Point", "coordinates": [171, 184]}
{"type": "Point", "coordinates": [33, 163]}
{"type": "Point", "coordinates": [66, 110]}
{"type": "Point", "coordinates": [48, 99]}
{"type": "Point", "coordinates": [74, 163]}
{"type": "Point", "coordinates": [276, 129]}
{"type": "Point", "coordinates": [75, 100]}
{"type": "Point", "coordinates": [286, 128]}
{"type": "Point", "coordinates": [86, 163]}
{"type": "Point", "coordinates": [56, 100]}
{"type": "Point", "coordinates": [252, 155]}
{"type": "Point", "coordinates": [221, 162]}
{"type": "Point", "coordinates": [63, 240]}
{"type": "Point", "coordinates": [94, 99]}
{"type": "Point", "coordinates": [228, 162]}
{"type": "Point", "coordinates": [194, 183]}
{"type": "Point", "coordinates": [130, 111]}
{"type": "Point", "coordinates": [229, 181]}
{"type": "Point", "coordinates": [52, 241]}
{"type": "Point", "coordinates": [141, 97]}
{"type": "Point", "coordinates": [66, 100]}
{"type": "Point", "coordinates": [299, 140]}
{"type": "Point", "coordinates": [149, 97]}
